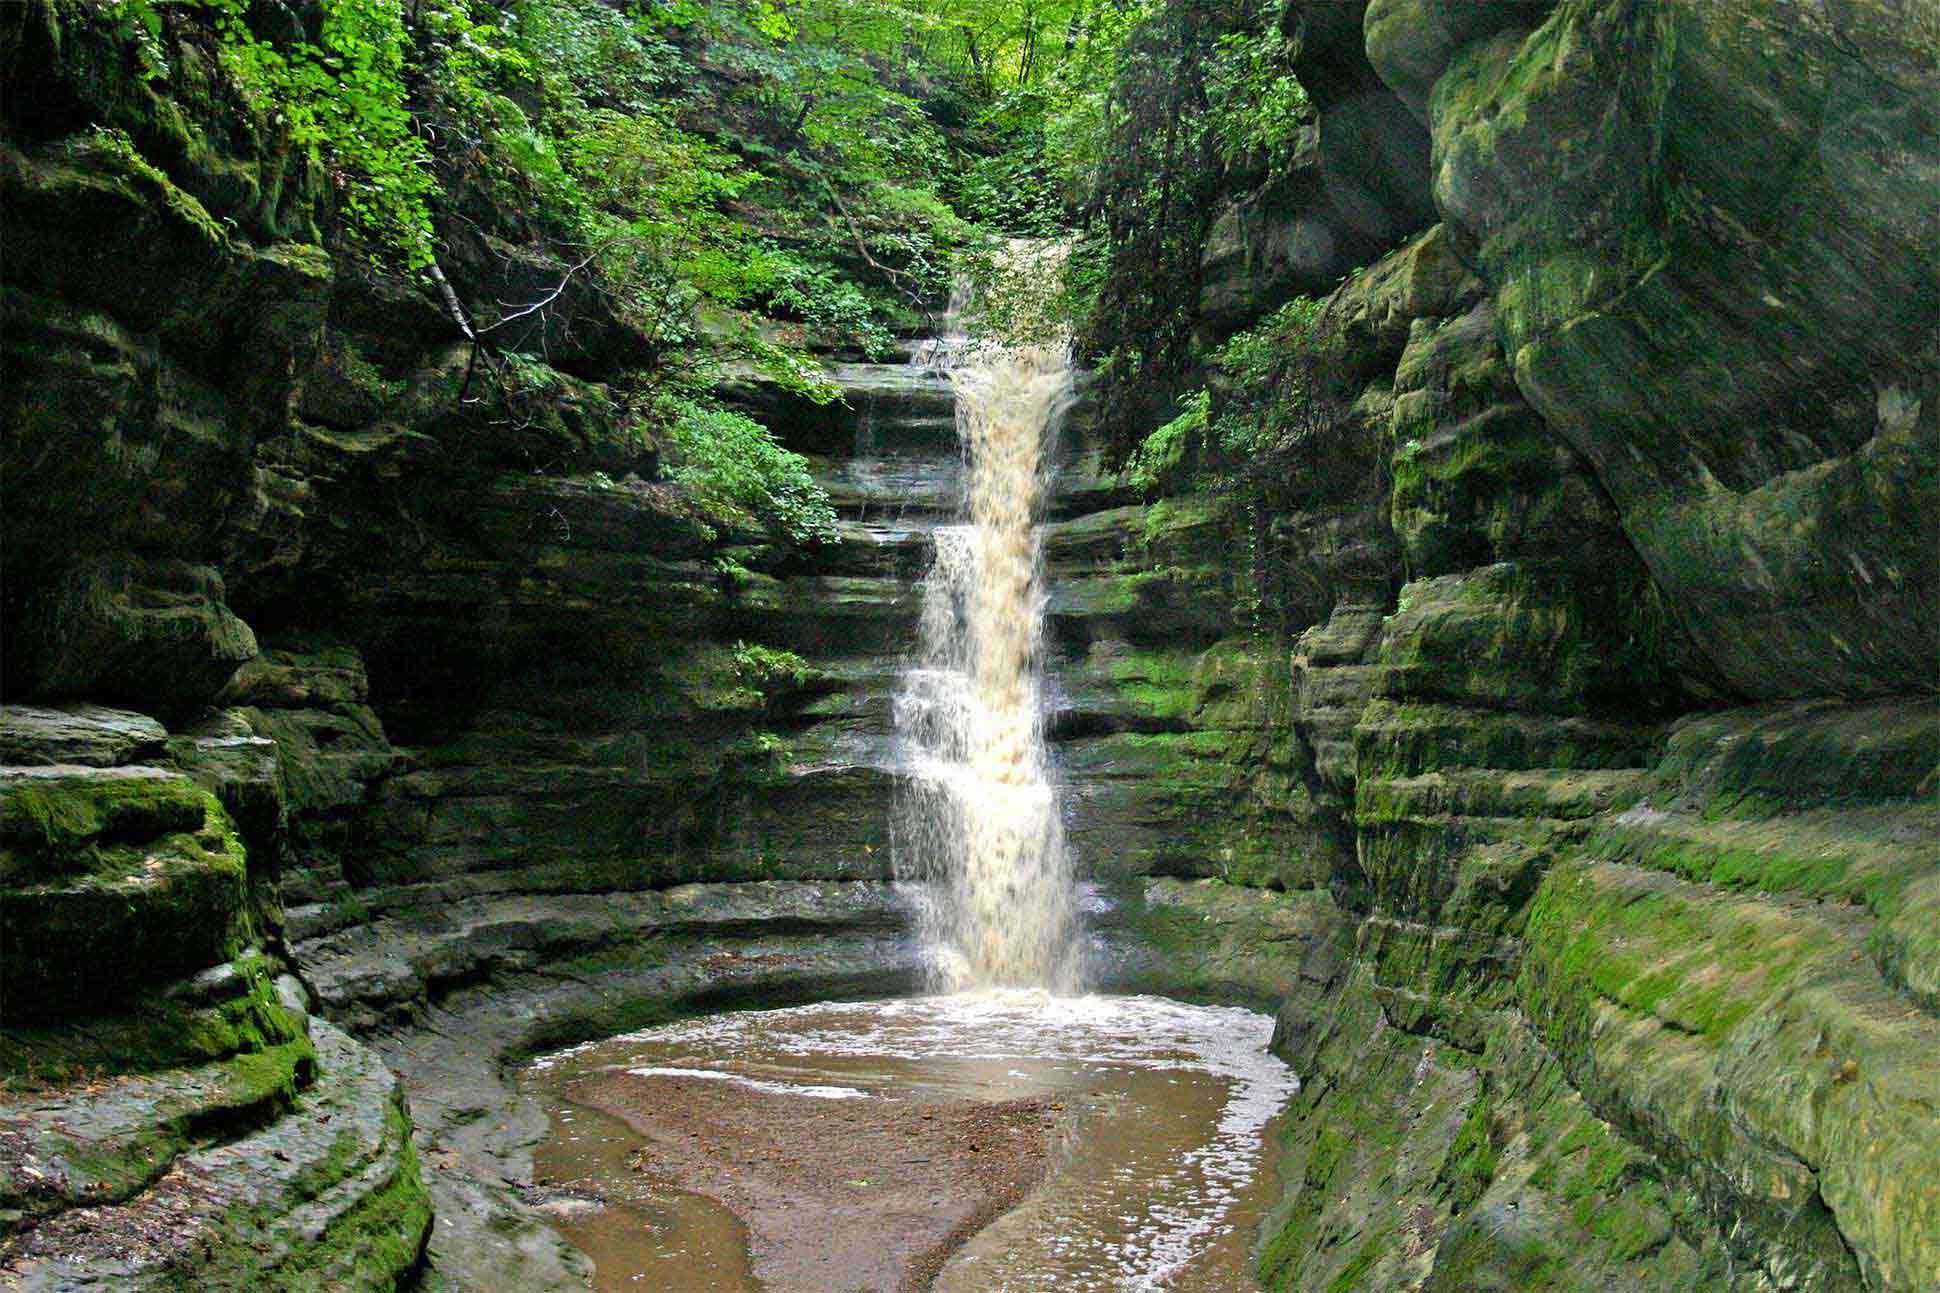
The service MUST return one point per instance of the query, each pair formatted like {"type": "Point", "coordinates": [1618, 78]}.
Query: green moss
{"type": "Point", "coordinates": [108, 153]}
{"type": "Point", "coordinates": [1295, 1235]}
{"type": "Point", "coordinates": [375, 1244]}
{"type": "Point", "coordinates": [47, 824]}
{"type": "Point", "coordinates": [156, 1031]}
{"type": "Point", "coordinates": [142, 915]}
{"type": "Point", "coordinates": [1188, 525]}
{"type": "Point", "coordinates": [247, 1090]}
{"type": "Point", "coordinates": [1472, 1159]}
{"type": "Point", "coordinates": [1480, 494]}
{"type": "Point", "coordinates": [1397, 739]}
{"type": "Point", "coordinates": [1700, 966]}
{"type": "Point", "coordinates": [1160, 683]}
{"type": "Point", "coordinates": [1349, 1280]}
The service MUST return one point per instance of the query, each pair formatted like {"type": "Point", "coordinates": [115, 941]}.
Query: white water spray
{"type": "Point", "coordinates": [980, 829]}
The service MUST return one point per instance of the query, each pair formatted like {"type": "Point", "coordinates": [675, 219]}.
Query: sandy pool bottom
{"type": "Point", "coordinates": [972, 1144]}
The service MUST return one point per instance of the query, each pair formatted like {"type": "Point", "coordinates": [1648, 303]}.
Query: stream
{"type": "Point", "coordinates": [1007, 1140]}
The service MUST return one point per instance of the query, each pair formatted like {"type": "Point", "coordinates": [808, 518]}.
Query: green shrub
{"type": "Point", "coordinates": [735, 470]}
{"type": "Point", "coordinates": [341, 99]}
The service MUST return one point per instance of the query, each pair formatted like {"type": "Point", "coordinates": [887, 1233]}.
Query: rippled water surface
{"type": "Point", "coordinates": [1158, 1180]}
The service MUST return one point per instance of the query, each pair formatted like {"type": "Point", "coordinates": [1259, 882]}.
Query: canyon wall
{"type": "Point", "coordinates": [1602, 778]}
{"type": "Point", "coordinates": [369, 705]}
{"type": "Point", "coordinates": [1566, 773]}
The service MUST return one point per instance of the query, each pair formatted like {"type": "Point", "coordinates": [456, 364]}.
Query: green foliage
{"type": "Point", "coordinates": [1023, 294]}
{"type": "Point", "coordinates": [736, 471]}
{"type": "Point", "coordinates": [712, 181]}
{"type": "Point", "coordinates": [1255, 106]}
{"type": "Point", "coordinates": [1165, 452]}
{"type": "Point", "coordinates": [1272, 402]}
{"type": "Point", "coordinates": [340, 97]}
{"type": "Point", "coordinates": [767, 669]}
{"type": "Point", "coordinates": [1268, 435]}
{"type": "Point", "coordinates": [1076, 121]}
{"type": "Point", "coordinates": [1202, 101]}
{"type": "Point", "coordinates": [819, 297]}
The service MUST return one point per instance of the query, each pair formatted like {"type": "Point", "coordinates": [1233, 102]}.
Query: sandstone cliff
{"type": "Point", "coordinates": [1564, 767]}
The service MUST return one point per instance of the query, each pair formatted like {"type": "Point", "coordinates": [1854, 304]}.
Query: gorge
{"type": "Point", "coordinates": [1489, 614]}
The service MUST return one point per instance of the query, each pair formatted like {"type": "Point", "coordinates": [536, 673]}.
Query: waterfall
{"type": "Point", "coordinates": [979, 829]}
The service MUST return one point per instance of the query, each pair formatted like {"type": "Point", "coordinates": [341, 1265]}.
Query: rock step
{"type": "Point", "coordinates": [103, 1142]}
{"type": "Point", "coordinates": [1510, 636]}
{"type": "Point", "coordinates": [366, 972]}
{"type": "Point", "coordinates": [326, 1197]}
{"type": "Point", "coordinates": [1094, 539]}
{"type": "Point", "coordinates": [1344, 639]}
{"type": "Point", "coordinates": [1404, 739]}
{"type": "Point", "coordinates": [1750, 1042]}
{"type": "Point", "coordinates": [930, 490]}
{"type": "Point", "coordinates": [1885, 857]}
{"type": "Point", "coordinates": [1337, 691]}
{"type": "Point", "coordinates": [1812, 754]}
{"type": "Point", "coordinates": [49, 813]}
{"type": "Point", "coordinates": [1490, 793]}
{"type": "Point", "coordinates": [116, 880]}
{"type": "Point", "coordinates": [92, 735]}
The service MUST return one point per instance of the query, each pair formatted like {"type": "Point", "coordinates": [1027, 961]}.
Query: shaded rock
{"type": "Point", "coordinates": [1478, 477]}
{"type": "Point", "coordinates": [1374, 154]}
{"type": "Point", "coordinates": [1410, 43]}
{"type": "Point", "coordinates": [90, 735]}
{"type": "Point", "coordinates": [155, 633]}
{"type": "Point", "coordinates": [1727, 309]}
{"type": "Point", "coordinates": [326, 1196]}
{"type": "Point", "coordinates": [117, 880]}
{"type": "Point", "coordinates": [223, 754]}
{"type": "Point", "coordinates": [1296, 236]}
{"type": "Point", "coordinates": [1510, 637]}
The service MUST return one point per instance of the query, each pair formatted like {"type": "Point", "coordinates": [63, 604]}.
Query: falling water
{"type": "Point", "coordinates": [979, 830]}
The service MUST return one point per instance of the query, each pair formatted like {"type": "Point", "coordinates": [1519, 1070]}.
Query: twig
{"type": "Point", "coordinates": [546, 300]}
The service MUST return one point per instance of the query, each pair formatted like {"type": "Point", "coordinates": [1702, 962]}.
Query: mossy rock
{"type": "Point", "coordinates": [89, 735]}
{"type": "Point", "coordinates": [230, 1011]}
{"type": "Point", "coordinates": [1751, 1048]}
{"type": "Point", "coordinates": [1712, 289]}
{"type": "Point", "coordinates": [49, 816]}
{"type": "Point", "coordinates": [328, 1195]}
{"type": "Point", "coordinates": [117, 880]}
{"type": "Point", "coordinates": [1528, 637]}
{"type": "Point", "coordinates": [1786, 758]}
{"type": "Point", "coordinates": [151, 632]}
{"type": "Point", "coordinates": [1405, 739]}
{"type": "Point", "coordinates": [103, 1139]}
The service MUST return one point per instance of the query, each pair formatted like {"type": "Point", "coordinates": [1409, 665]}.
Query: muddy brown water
{"type": "Point", "coordinates": [1136, 1130]}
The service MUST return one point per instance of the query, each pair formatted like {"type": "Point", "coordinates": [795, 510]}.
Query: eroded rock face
{"type": "Point", "coordinates": [1357, 181]}
{"type": "Point", "coordinates": [173, 1113]}
{"type": "Point", "coordinates": [1574, 802]}
{"type": "Point", "coordinates": [395, 664]}
{"type": "Point", "coordinates": [1629, 738]}
{"type": "Point", "coordinates": [1726, 300]}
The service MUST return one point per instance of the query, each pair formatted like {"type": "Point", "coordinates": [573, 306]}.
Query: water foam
{"type": "Point", "coordinates": [979, 827]}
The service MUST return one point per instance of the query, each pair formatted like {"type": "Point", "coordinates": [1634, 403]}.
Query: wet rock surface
{"type": "Point", "coordinates": [1569, 792]}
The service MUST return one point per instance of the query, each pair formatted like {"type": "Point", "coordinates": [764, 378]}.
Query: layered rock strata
{"type": "Point", "coordinates": [1630, 757]}
{"type": "Point", "coordinates": [1572, 792]}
